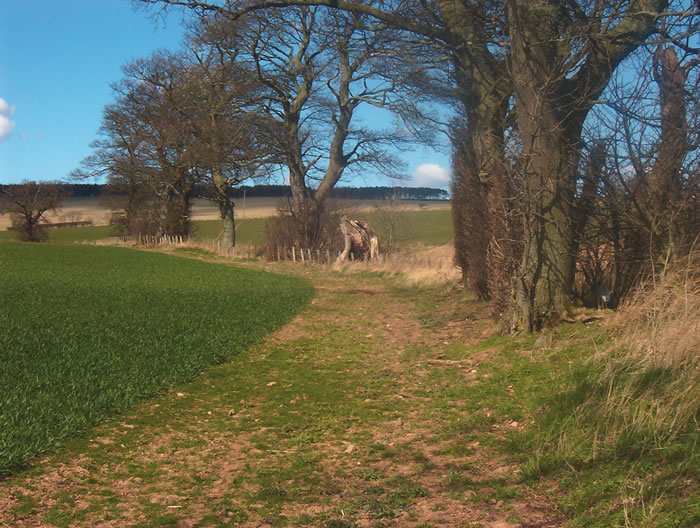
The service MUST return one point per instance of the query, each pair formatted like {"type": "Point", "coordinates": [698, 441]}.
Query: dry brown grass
{"type": "Point", "coordinates": [659, 325]}
{"type": "Point", "coordinates": [417, 264]}
{"type": "Point", "coordinates": [651, 370]}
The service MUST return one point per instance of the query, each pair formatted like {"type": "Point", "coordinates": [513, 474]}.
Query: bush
{"type": "Point", "coordinates": [312, 227]}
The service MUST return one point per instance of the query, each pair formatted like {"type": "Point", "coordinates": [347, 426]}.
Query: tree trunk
{"type": "Point", "coordinates": [550, 123]}
{"type": "Point", "coordinates": [664, 182]}
{"type": "Point", "coordinates": [583, 206]}
{"type": "Point", "coordinates": [478, 159]}
{"type": "Point", "coordinates": [553, 97]}
{"type": "Point", "coordinates": [228, 218]}
{"type": "Point", "coordinates": [479, 152]}
{"type": "Point", "coordinates": [226, 209]}
{"type": "Point", "coordinates": [177, 213]}
{"type": "Point", "coordinates": [544, 286]}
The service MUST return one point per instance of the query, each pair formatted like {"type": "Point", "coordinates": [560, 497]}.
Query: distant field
{"type": "Point", "coordinates": [431, 225]}
{"type": "Point", "coordinates": [74, 209]}
{"type": "Point", "coordinates": [75, 348]}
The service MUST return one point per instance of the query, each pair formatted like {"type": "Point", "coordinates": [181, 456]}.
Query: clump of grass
{"type": "Point", "coordinates": [650, 373]}
{"type": "Point", "coordinates": [659, 325]}
{"type": "Point", "coordinates": [627, 429]}
{"type": "Point", "coordinates": [416, 264]}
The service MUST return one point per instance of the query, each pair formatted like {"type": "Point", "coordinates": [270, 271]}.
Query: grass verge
{"type": "Point", "coordinates": [623, 436]}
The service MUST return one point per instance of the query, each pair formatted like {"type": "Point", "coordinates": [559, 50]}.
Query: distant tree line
{"type": "Point", "coordinates": [78, 190]}
{"type": "Point", "coordinates": [390, 193]}
{"type": "Point", "coordinates": [341, 192]}
{"type": "Point", "coordinates": [95, 190]}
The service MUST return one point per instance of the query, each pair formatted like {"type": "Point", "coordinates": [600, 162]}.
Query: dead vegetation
{"type": "Point", "coordinates": [652, 368]}
{"type": "Point", "coordinates": [417, 264]}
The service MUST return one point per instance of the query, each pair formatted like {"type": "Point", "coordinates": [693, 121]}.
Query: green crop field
{"type": "Point", "coordinates": [248, 230]}
{"type": "Point", "coordinates": [87, 331]}
{"type": "Point", "coordinates": [431, 227]}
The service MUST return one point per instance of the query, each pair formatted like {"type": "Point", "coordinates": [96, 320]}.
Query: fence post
{"type": "Point", "coordinates": [278, 253]}
{"type": "Point", "coordinates": [294, 257]}
{"type": "Point", "coordinates": [301, 250]}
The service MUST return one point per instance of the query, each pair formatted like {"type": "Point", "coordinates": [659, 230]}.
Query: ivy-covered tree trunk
{"type": "Point", "coordinates": [478, 165]}
{"type": "Point", "coordinates": [177, 212]}
{"type": "Point", "coordinates": [544, 280]}
{"type": "Point", "coordinates": [479, 150]}
{"type": "Point", "coordinates": [550, 128]}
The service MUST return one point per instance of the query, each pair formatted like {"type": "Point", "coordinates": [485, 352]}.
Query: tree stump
{"type": "Point", "coordinates": [360, 239]}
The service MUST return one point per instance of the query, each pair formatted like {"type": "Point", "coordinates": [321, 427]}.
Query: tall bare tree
{"type": "Point", "coordinates": [27, 203]}
{"type": "Point", "coordinates": [177, 121]}
{"type": "Point", "coordinates": [318, 67]}
{"type": "Point", "coordinates": [232, 138]}
{"type": "Point", "coordinates": [146, 147]}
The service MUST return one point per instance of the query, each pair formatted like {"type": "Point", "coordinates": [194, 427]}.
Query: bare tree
{"type": "Point", "coordinates": [144, 148]}
{"type": "Point", "coordinates": [553, 60]}
{"type": "Point", "coordinates": [232, 138]}
{"type": "Point", "coordinates": [317, 68]}
{"type": "Point", "coordinates": [27, 203]}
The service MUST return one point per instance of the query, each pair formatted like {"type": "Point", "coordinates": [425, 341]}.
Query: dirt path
{"type": "Point", "coordinates": [367, 410]}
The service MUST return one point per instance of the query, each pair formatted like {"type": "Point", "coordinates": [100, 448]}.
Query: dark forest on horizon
{"type": "Point", "coordinates": [94, 190]}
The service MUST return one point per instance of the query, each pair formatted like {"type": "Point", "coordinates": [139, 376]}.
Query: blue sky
{"type": "Point", "coordinates": [57, 61]}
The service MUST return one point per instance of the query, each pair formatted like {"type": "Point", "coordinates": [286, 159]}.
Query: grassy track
{"type": "Point", "coordinates": [90, 330]}
{"type": "Point", "coordinates": [379, 406]}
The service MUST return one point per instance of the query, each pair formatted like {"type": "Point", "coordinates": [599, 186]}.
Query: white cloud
{"type": "Point", "coordinates": [431, 175]}
{"type": "Point", "coordinates": [6, 124]}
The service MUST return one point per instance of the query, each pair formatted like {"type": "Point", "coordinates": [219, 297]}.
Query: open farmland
{"type": "Point", "coordinates": [430, 225]}
{"type": "Point", "coordinates": [384, 404]}
{"type": "Point", "coordinates": [78, 209]}
{"type": "Point", "coordinates": [77, 346]}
